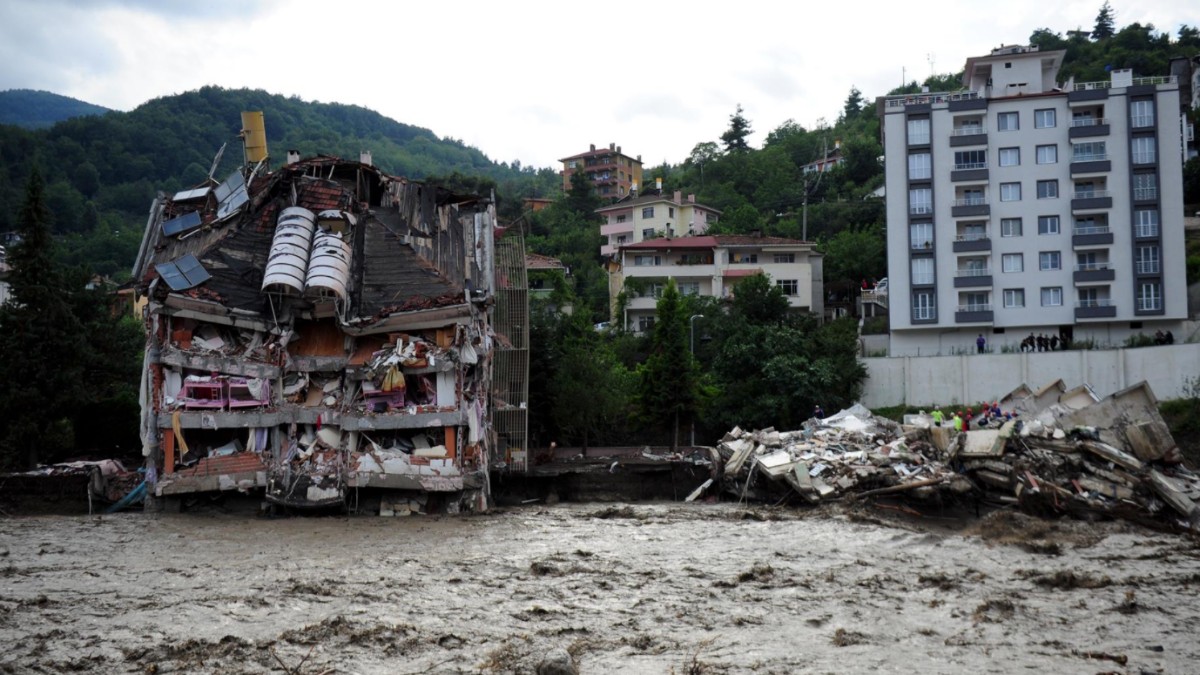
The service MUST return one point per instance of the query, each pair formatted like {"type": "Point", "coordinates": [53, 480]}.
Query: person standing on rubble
{"type": "Point", "coordinates": [958, 421]}
{"type": "Point", "coordinates": [937, 417]}
{"type": "Point", "coordinates": [818, 412]}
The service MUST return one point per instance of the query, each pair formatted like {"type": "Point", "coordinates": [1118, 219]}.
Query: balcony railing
{"type": "Point", "coordinates": [973, 272]}
{"type": "Point", "coordinates": [942, 97]}
{"type": "Point", "coordinates": [971, 236]}
{"type": "Point", "coordinates": [1095, 302]}
{"type": "Point", "coordinates": [923, 314]}
{"type": "Point", "coordinates": [968, 131]}
{"type": "Point", "coordinates": [920, 209]}
{"type": "Point", "coordinates": [1090, 194]}
{"type": "Point", "coordinates": [970, 165]}
{"type": "Point", "coordinates": [1149, 304]}
{"type": "Point", "coordinates": [1089, 121]}
{"type": "Point", "coordinates": [1145, 193]}
{"type": "Point", "coordinates": [975, 308]}
{"type": "Point", "coordinates": [1137, 82]}
{"type": "Point", "coordinates": [1144, 157]}
{"type": "Point", "coordinates": [1146, 231]}
{"type": "Point", "coordinates": [1093, 157]}
{"type": "Point", "coordinates": [970, 201]}
{"type": "Point", "coordinates": [1148, 266]}
{"type": "Point", "coordinates": [921, 245]}
{"type": "Point", "coordinates": [1092, 267]}
{"type": "Point", "coordinates": [1091, 229]}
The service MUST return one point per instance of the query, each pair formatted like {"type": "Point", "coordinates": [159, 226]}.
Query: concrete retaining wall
{"type": "Point", "coordinates": [947, 380]}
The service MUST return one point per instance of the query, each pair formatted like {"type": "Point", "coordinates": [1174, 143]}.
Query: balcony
{"type": "Point", "coordinates": [968, 136]}
{"type": "Point", "coordinates": [1091, 199]}
{"type": "Point", "coordinates": [965, 243]}
{"type": "Point", "coordinates": [1081, 164]}
{"type": "Point", "coordinates": [1149, 305]}
{"type": "Point", "coordinates": [1086, 127]}
{"type": "Point", "coordinates": [1145, 194]}
{"type": "Point", "coordinates": [973, 314]}
{"type": "Point", "coordinates": [970, 206]}
{"type": "Point", "coordinates": [1095, 309]}
{"type": "Point", "coordinates": [1092, 235]}
{"type": "Point", "coordinates": [616, 229]}
{"type": "Point", "coordinates": [921, 246]}
{"type": "Point", "coordinates": [973, 278]}
{"type": "Point", "coordinates": [1146, 231]}
{"type": "Point", "coordinates": [906, 100]}
{"type": "Point", "coordinates": [974, 173]}
{"type": "Point", "coordinates": [1094, 272]}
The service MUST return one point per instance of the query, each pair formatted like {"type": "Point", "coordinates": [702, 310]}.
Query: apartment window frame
{"type": "Point", "coordinates": [1145, 222]}
{"type": "Point", "coordinates": [1147, 259]}
{"type": "Point", "coordinates": [970, 159]}
{"type": "Point", "coordinates": [1007, 228]}
{"type": "Point", "coordinates": [1010, 192]}
{"type": "Point", "coordinates": [1141, 113]}
{"type": "Point", "coordinates": [1009, 156]}
{"type": "Point", "coordinates": [790, 287]}
{"type": "Point", "coordinates": [1012, 263]}
{"type": "Point", "coordinates": [1047, 154]}
{"type": "Point", "coordinates": [1008, 121]}
{"type": "Point", "coordinates": [1049, 261]}
{"type": "Point", "coordinates": [1143, 150]}
{"type": "Point", "coordinates": [920, 166]}
{"type": "Point", "coordinates": [1089, 151]}
{"type": "Point", "coordinates": [646, 260]}
{"type": "Point", "coordinates": [1052, 296]}
{"type": "Point", "coordinates": [783, 258]}
{"type": "Point", "coordinates": [1047, 189]}
{"type": "Point", "coordinates": [647, 212]}
{"type": "Point", "coordinates": [1014, 298]}
{"type": "Point", "coordinates": [1149, 296]}
{"type": "Point", "coordinates": [918, 131]}
{"type": "Point", "coordinates": [649, 232]}
{"type": "Point", "coordinates": [1049, 225]}
{"type": "Point", "coordinates": [924, 306]}
{"type": "Point", "coordinates": [1045, 118]}
{"type": "Point", "coordinates": [915, 241]}
{"type": "Point", "coordinates": [918, 205]}
{"type": "Point", "coordinates": [922, 271]}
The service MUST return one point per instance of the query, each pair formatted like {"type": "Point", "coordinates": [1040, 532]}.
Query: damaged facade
{"type": "Point", "coordinates": [324, 333]}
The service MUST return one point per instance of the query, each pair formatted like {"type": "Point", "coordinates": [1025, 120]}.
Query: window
{"type": "Point", "coordinates": [1089, 261]}
{"type": "Point", "coordinates": [1010, 156]}
{"type": "Point", "coordinates": [670, 211]}
{"type": "Point", "coordinates": [970, 159]}
{"type": "Point", "coordinates": [1092, 297]}
{"type": "Point", "coordinates": [1013, 262]}
{"type": "Point", "coordinates": [689, 288]}
{"type": "Point", "coordinates": [920, 201]}
{"type": "Point", "coordinates": [1048, 225]}
{"type": "Point", "coordinates": [1047, 154]}
{"type": "Point", "coordinates": [1010, 192]}
{"type": "Point", "coordinates": [1052, 296]}
{"type": "Point", "coordinates": [745, 258]}
{"type": "Point", "coordinates": [1146, 222]}
{"type": "Point", "coordinates": [1044, 118]}
{"type": "Point", "coordinates": [646, 260]}
{"type": "Point", "coordinates": [1007, 121]}
{"type": "Point", "coordinates": [621, 238]}
{"type": "Point", "coordinates": [1047, 189]}
{"type": "Point", "coordinates": [972, 231]}
{"type": "Point", "coordinates": [922, 271]}
{"type": "Point", "coordinates": [621, 218]}
{"type": "Point", "coordinates": [1089, 152]}
{"type": "Point", "coordinates": [1142, 113]}
{"type": "Point", "coordinates": [918, 132]}
{"type": "Point", "coordinates": [648, 212]}
{"type": "Point", "coordinates": [1147, 260]}
{"type": "Point", "coordinates": [645, 324]}
{"type": "Point", "coordinates": [1014, 297]}
{"type": "Point", "coordinates": [922, 306]}
{"type": "Point", "coordinates": [790, 287]}
{"type": "Point", "coordinates": [1145, 186]}
{"type": "Point", "coordinates": [1085, 189]}
{"type": "Point", "coordinates": [969, 127]}
{"type": "Point", "coordinates": [920, 235]}
{"type": "Point", "coordinates": [1149, 296]}
{"type": "Point", "coordinates": [1010, 227]}
{"type": "Point", "coordinates": [649, 233]}
{"type": "Point", "coordinates": [919, 166]}
{"type": "Point", "coordinates": [1143, 150]}
{"type": "Point", "coordinates": [784, 258]}
{"type": "Point", "coordinates": [975, 302]}
{"type": "Point", "coordinates": [1049, 260]}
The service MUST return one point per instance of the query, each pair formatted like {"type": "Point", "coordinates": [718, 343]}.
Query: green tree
{"type": "Point", "coordinates": [1105, 23]}
{"type": "Point", "coordinates": [853, 107]}
{"type": "Point", "coordinates": [759, 302]}
{"type": "Point", "coordinates": [669, 389]}
{"type": "Point", "coordinates": [581, 198]}
{"type": "Point", "coordinates": [739, 129]}
{"type": "Point", "coordinates": [590, 388]}
{"type": "Point", "coordinates": [855, 254]}
{"type": "Point", "coordinates": [40, 376]}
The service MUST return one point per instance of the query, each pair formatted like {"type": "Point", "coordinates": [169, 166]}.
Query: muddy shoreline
{"type": "Point", "coordinates": [652, 588]}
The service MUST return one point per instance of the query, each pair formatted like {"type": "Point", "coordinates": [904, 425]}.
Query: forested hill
{"type": "Point", "coordinates": [39, 109]}
{"type": "Point", "coordinates": [102, 171]}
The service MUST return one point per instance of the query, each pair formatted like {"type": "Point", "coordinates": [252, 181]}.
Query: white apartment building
{"type": "Point", "coordinates": [637, 218]}
{"type": "Point", "coordinates": [712, 266]}
{"type": "Point", "coordinates": [1021, 205]}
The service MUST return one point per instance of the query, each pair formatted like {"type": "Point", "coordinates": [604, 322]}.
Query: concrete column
{"type": "Point", "coordinates": [907, 380]}
{"type": "Point", "coordinates": [1121, 379]}
{"type": "Point", "coordinates": [964, 368]}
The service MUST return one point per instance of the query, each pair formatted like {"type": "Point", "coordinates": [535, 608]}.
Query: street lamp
{"type": "Point", "coordinates": [692, 349]}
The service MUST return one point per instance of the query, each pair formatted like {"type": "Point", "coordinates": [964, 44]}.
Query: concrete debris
{"type": "Point", "coordinates": [1048, 458]}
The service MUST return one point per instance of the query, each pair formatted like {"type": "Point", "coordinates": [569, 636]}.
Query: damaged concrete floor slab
{"type": "Point", "coordinates": [623, 588]}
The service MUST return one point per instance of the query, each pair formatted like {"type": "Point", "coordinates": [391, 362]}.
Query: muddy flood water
{"type": "Point", "coordinates": [645, 588]}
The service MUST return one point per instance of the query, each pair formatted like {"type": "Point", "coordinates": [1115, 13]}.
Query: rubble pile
{"type": "Point", "coordinates": [1060, 453]}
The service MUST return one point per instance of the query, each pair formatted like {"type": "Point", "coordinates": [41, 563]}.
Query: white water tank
{"type": "Point", "coordinates": [287, 262]}
{"type": "Point", "coordinates": [329, 266]}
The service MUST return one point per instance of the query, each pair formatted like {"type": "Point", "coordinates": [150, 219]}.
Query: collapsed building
{"type": "Point", "coordinates": [326, 334]}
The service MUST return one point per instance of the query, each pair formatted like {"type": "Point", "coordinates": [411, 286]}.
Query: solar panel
{"type": "Point", "coordinates": [184, 223]}
{"type": "Point", "coordinates": [230, 186]}
{"type": "Point", "coordinates": [183, 273]}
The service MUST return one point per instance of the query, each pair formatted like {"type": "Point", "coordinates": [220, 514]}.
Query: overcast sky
{"type": "Point", "coordinates": [532, 81]}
